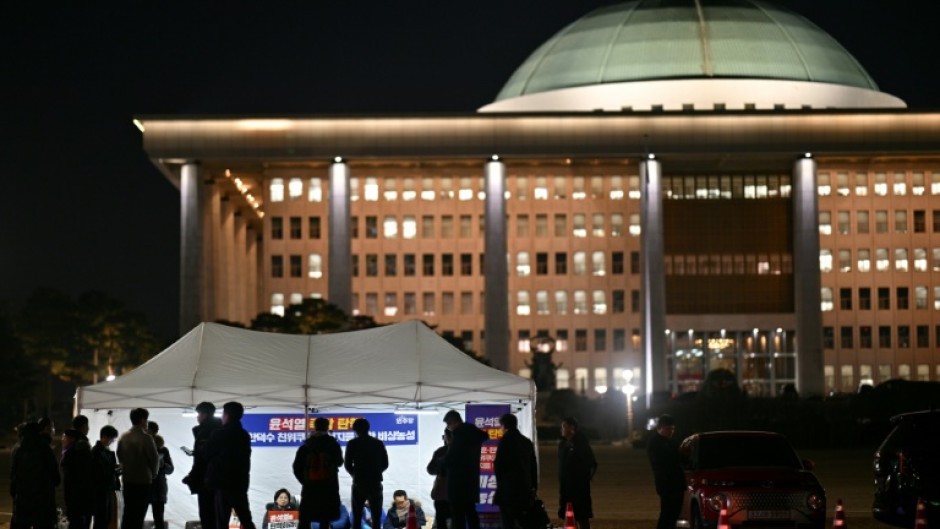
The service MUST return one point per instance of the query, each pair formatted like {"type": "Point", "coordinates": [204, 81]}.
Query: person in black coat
{"type": "Point", "coordinates": [316, 467]}
{"type": "Point", "coordinates": [105, 480]}
{"type": "Point", "coordinates": [517, 473]}
{"type": "Point", "coordinates": [663, 453]}
{"type": "Point", "coordinates": [195, 480]}
{"type": "Point", "coordinates": [462, 464]}
{"type": "Point", "coordinates": [366, 459]}
{"type": "Point", "coordinates": [439, 489]}
{"type": "Point", "coordinates": [77, 474]}
{"type": "Point", "coordinates": [165, 467]}
{"type": "Point", "coordinates": [34, 476]}
{"type": "Point", "coordinates": [576, 468]}
{"type": "Point", "coordinates": [228, 463]}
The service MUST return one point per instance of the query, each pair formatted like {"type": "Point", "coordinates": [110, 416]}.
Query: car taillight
{"type": "Point", "coordinates": [816, 502]}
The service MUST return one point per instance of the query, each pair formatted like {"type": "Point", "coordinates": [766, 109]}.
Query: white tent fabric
{"type": "Point", "coordinates": [405, 367]}
{"type": "Point", "coordinates": [402, 363]}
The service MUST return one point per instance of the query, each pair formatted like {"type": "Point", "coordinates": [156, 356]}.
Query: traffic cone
{"type": "Point", "coordinates": [920, 517]}
{"type": "Point", "coordinates": [569, 516]}
{"type": "Point", "coordinates": [723, 522]}
{"type": "Point", "coordinates": [838, 522]}
{"type": "Point", "coordinates": [412, 517]}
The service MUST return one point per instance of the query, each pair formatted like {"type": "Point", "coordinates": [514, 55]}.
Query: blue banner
{"type": "Point", "coordinates": [285, 429]}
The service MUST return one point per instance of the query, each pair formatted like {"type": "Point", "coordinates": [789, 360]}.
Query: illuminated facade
{"type": "Point", "coordinates": [777, 226]}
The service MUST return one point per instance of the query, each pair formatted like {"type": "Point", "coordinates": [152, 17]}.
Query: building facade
{"type": "Point", "coordinates": [782, 222]}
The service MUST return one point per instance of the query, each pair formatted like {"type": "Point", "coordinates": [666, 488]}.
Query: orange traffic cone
{"type": "Point", "coordinates": [569, 516]}
{"type": "Point", "coordinates": [838, 522]}
{"type": "Point", "coordinates": [723, 518]}
{"type": "Point", "coordinates": [412, 518]}
{"type": "Point", "coordinates": [920, 517]}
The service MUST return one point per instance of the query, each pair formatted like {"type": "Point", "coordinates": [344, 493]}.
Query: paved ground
{"type": "Point", "coordinates": [623, 488]}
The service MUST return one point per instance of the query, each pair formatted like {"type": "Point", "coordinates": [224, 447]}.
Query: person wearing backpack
{"type": "Point", "coordinates": [316, 467]}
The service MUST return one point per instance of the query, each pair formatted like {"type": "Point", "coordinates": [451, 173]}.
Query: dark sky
{"type": "Point", "coordinates": [82, 208]}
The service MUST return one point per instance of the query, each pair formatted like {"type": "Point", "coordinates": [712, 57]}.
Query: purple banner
{"type": "Point", "coordinates": [486, 417]}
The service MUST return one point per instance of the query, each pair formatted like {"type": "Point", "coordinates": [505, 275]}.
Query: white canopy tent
{"type": "Point", "coordinates": [401, 368]}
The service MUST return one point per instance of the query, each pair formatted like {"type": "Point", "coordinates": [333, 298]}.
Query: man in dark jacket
{"type": "Point", "coordinates": [33, 479]}
{"type": "Point", "coordinates": [462, 465]}
{"type": "Point", "coordinates": [206, 425]}
{"type": "Point", "coordinates": [77, 474]}
{"type": "Point", "coordinates": [104, 477]}
{"type": "Point", "coordinates": [366, 459]}
{"type": "Point", "coordinates": [228, 463]}
{"type": "Point", "coordinates": [517, 473]}
{"type": "Point", "coordinates": [139, 459]}
{"type": "Point", "coordinates": [663, 453]}
{"type": "Point", "coordinates": [576, 468]}
{"type": "Point", "coordinates": [316, 467]}
{"type": "Point", "coordinates": [400, 509]}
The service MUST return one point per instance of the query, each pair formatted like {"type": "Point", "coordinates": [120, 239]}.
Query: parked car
{"type": "Point", "coordinates": [757, 476]}
{"type": "Point", "coordinates": [907, 467]}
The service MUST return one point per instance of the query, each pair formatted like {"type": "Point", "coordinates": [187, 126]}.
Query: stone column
{"type": "Point", "coordinates": [806, 280]}
{"type": "Point", "coordinates": [653, 276]}
{"type": "Point", "coordinates": [192, 249]}
{"type": "Point", "coordinates": [496, 273]}
{"type": "Point", "coordinates": [339, 288]}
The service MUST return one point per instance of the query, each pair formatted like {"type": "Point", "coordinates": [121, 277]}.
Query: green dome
{"type": "Point", "coordinates": [673, 39]}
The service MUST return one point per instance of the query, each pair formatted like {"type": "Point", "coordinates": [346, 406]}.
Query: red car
{"type": "Point", "coordinates": [756, 476]}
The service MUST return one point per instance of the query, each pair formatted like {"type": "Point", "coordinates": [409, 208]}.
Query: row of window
{"type": "Point", "coordinates": [902, 298]}
{"type": "Point", "coordinates": [620, 379]}
{"type": "Point", "coordinates": [882, 260]}
{"type": "Point", "coordinates": [887, 337]}
{"type": "Point", "coordinates": [373, 189]}
{"type": "Point", "coordinates": [547, 303]}
{"type": "Point", "coordinates": [712, 187]}
{"type": "Point", "coordinates": [849, 383]}
{"type": "Point", "coordinates": [727, 264]}
{"type": "Point", "coordinates": [898, 183]}
{"type": "Point", "coordinates": [903, 219]}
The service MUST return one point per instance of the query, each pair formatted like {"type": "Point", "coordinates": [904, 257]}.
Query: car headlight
{"type": "Point", "coordinates": [816, 502]}
{"type": "Point", "coordinates": [716, 502]}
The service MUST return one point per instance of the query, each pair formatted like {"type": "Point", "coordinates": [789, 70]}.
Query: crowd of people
{"type": "Point", "coordinates": [139, 463]}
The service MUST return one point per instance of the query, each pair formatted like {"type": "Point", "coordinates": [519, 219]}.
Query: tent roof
{"type": "Point", "coordinates": [396, 364]}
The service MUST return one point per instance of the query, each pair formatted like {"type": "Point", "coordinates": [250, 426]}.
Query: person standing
{"type": "Point", "coordinates": [576, 468]}
{"type": "Point", "coordinates": [516, 471]}
{"type": "Point", "coordinates": [206, 424]}
{"type": "Point", "coordinates": [34, 476]}
{"type": "Point", "coordinates": [228, 464]}
{"type": "Point", "coordinates": [159, 490]}
{"type": "Point", "coordinates": [366, 459]}
{"type": "Point", "coordinates": [139, 465]}
{"type": "Point", "coordinates": [663, 453]}
{"type": "Point", "coordinates": [439, 489]}
{"type": "Point", "coordinates": [104, 477]}
{"type": "Point", "coordinates": [462, 464]}
{"type": "Point", "coordinates": [316, 467]}
{"type": "Point", "coordinates": [77, 474]}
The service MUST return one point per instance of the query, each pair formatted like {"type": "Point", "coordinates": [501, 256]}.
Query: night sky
{"type": "Point", "coordinates": [84, 209]}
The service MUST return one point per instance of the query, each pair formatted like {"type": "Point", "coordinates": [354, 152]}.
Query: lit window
{"type": "Point", "coordinates": [296, 298]}
{"type": "Point", "coordinates": [861, 184]}
{"type": "Point", "coordinates": [277, 190]}
{"type": "Point", "coordinates": [522, 303]}
{"type": "Point", "coordinates": [635, 224]}
{"type": "Point", "coordinates": [917, 184]}
{"type": "Point", "coordinates": [597, 224]}
{"type": "Point", "coordinates": [580, 302]}
{"type": "Point", "coordinates": [561, 378]}
{"type": "Point", "coordinates": [824, 187]}
{"type": "Point", "coordinates": [633, 183]}
{"type": "Point", "coordinates": [466, 189]}
{"type": "Point", "coordinates": [427, 189]}
{"type": "Point", "coordinates": [353, 189]}
{"type": "Point", "coordinates": [390, 227]}
{"type": "Point", "coordinates": [577, 193]}
{"type": "Point", "coordinates": [825, 260]}
{"type": "Point", "coordinates": [600, 302]}
{"type": "Point", "coordinates": [541, 303]}
{"type": "Point", "coordinates": [315, 266]}
{"type": "Point", "coordinates": [598, 266]}
{"type": "Point", "coordinates": [524, 343]}
{"type": "Point", "coordinates": [864, 260]}
{"type": "Point", "coordinates": [900, 184]}
{"type": "Point", "coordinates": [315, 190]}
{"type": "Point", "coordinates": [842, 184]}
{"type": "Point", "coordinates": [597, 186]}
{"type": "Point", "coordinates": [408, 190]}
{"type": "Point", "coordinates": [295, 188]}
{"type": "Point", "coordinates": [391, 189]}
{"type": "Point", "coordinates": [561, 302]}
{"type": "Point", "coordinates": [825, 223]}
{"type": "Point", "coordinates": [904, 371]}
{"type": "Point", "coordinates": [391, 304]}
{"type": "Point", "coordinates": [900, 259]}
{"type": "Point", "coordinates": [580, 230]}
{"type": "Point", "coordinates": [541, 188]}
{"type": "Point", "coordinates": [881, 260]}
{"type": "Point", "coordinates": [826, 298]}
{"type": "Point", "coordinates": [371, 190]}
{"type": "Point", "coordinates": [848, 378]}
{"type": "Point", "coordinates": [409, 227]}
{"type": "Point", "coordinates": [580, 379]}
{"type": "Point", "coordinates": [616, 225]}
{"type": "Point", "coordinates": [935, 183]}
{"type": "Point", "coordinates": [580, 263]}
{"type": "Point", "coordinates": [920, 259]}
{"type": "Point", "coordinates": [277, 303]}
{"type": "Point", "coordinates": [881, 184]}
{"type": "Point", "coordinates": [616, 188]}
{"type": "Point", "coordinates": [845, 260]}
{"type": "Point", "coordinates": [523, 267]}
{"type": "Point", "coordinates": [936, 298]}
{"type": "Point", "coordinates": [920, 297]}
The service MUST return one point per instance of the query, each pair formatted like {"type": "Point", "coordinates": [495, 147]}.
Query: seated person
{"type": "Point", "coordinates": [367, 516]}
{"type": "Point", "coordinates": [343, 522]}
{"type": "Point", "coordinates": [397, 516]}
{"type": "Point", "coordinates": [283, 501]}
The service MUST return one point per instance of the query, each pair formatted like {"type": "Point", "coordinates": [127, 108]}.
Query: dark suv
{"type": "Point", "coordinates": [907, 467]}
{"type": "Point", "coordinates": [756, 475]}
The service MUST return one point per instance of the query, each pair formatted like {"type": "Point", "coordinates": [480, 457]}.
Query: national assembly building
{"type": "Point", "coordinates": [662, 189]}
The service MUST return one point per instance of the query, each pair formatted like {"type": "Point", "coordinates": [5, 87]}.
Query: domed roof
{"type": "Point", "coordinates": [645, 40]}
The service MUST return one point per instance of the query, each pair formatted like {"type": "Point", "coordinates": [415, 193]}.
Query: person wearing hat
{"type": "Point", "coordinates": [663, 453]}
{"type": "Point", "coordinates": [462, 466]}
{"type": "Point", "coordinates": [206, 424]}
{"type": "Point", "coordinates": [228, 467]}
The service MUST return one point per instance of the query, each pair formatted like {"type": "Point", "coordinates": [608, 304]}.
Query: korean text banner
{"type": "Point", "coordinates": [285, 429]}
